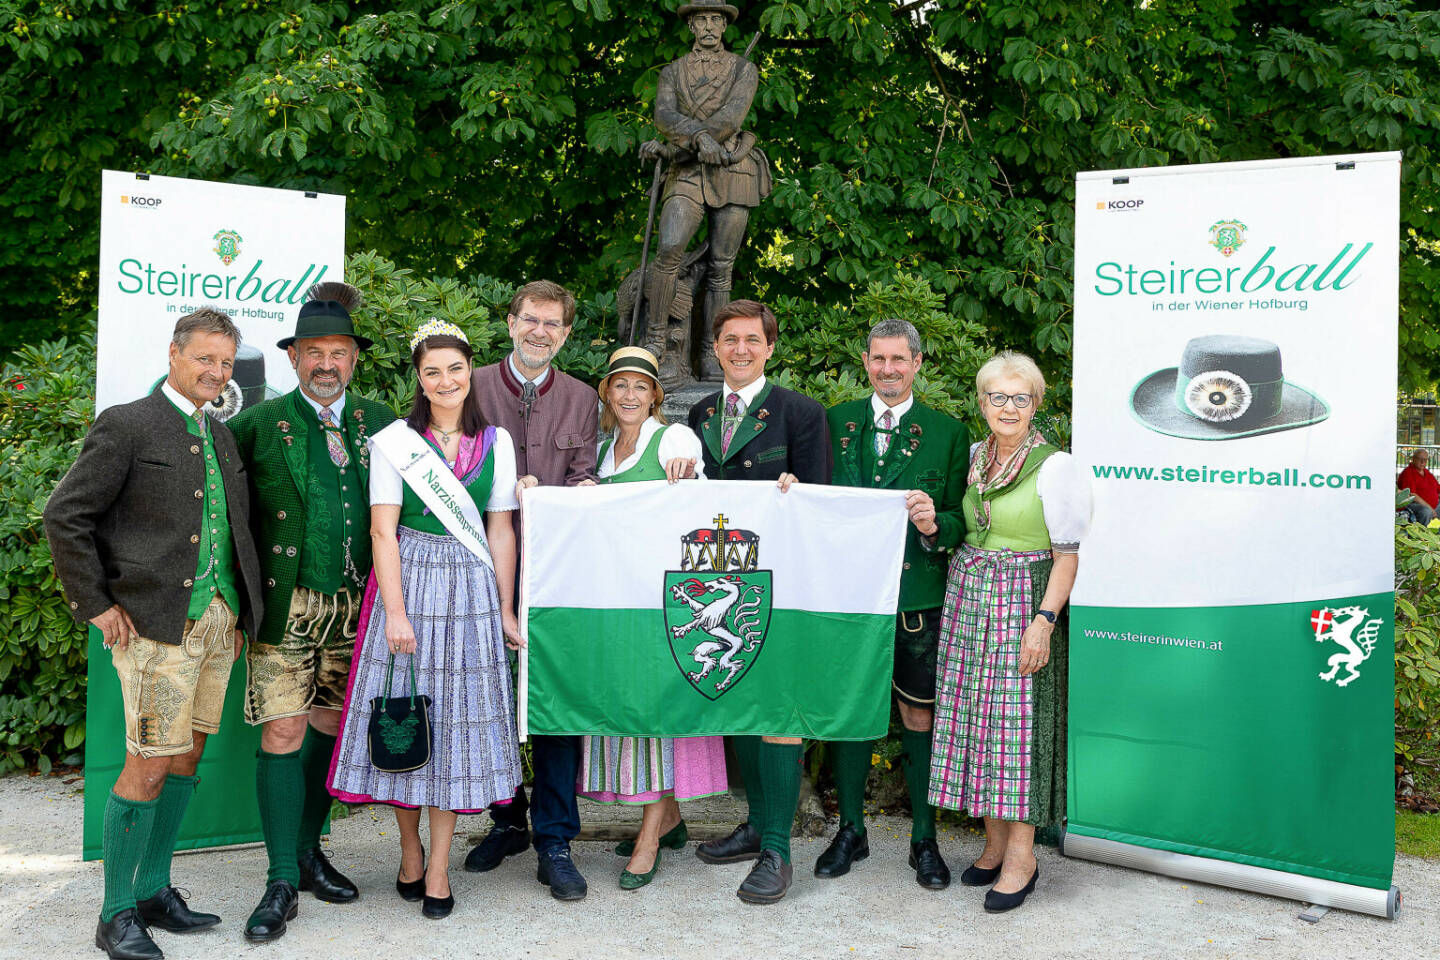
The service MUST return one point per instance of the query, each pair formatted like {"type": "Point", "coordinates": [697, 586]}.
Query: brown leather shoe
{"type": "Point", "coordinates": [768, 881]}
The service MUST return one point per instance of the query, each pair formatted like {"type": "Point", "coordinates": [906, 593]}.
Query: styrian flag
{"type": "Point", "coordinates": [709, 607]}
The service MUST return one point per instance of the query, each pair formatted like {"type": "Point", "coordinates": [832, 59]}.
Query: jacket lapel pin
{"type": "Point", "coordinates": [762, 414]}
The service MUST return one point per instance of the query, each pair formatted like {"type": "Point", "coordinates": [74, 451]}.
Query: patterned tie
{"type": "Point", "coordinates": [199, 416]}
{"type": "Point", "coordinates": [882, 436]}
{"type": "Point", "coordinates": [333, 440]}
{"type": "Point", "coordinates": [732, 420]}
{"type": "Point", "coordinates": [527, 398]}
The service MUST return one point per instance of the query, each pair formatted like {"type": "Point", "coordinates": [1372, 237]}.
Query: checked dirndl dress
{"type": "Point", "coordinates": [453, 603]}
{"type": "Point", "coordinates": [999, 740]}
{"type": "Point", "coordinates": [637, 770]}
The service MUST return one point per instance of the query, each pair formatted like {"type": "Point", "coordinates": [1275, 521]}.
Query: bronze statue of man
{"type": "Point", "coordinates": [715, 169]}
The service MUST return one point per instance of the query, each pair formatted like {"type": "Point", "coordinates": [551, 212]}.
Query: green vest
{"type": "Point", "coordinates": [336, 512]}
{"type": "Point", "coordinates": [649, 466]}
{"type": "Point", "coordinates": [1017, 516]}
{"type": "Point", "coordinates": [215, 568]}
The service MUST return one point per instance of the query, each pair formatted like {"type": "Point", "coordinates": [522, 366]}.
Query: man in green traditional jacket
{"type": "Point", "coordinates": [888, 440]}
{"type": "Point", "coordinates": [309, 474]}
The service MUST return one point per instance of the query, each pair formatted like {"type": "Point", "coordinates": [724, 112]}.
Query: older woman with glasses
{"type": "Point", "coordinates": [999, 741]}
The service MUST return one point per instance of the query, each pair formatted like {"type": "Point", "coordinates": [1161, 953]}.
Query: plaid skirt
{"type": "Point", "coordinates": [453, 603]}
{"type": "Point", "coordinates": [999, 741]}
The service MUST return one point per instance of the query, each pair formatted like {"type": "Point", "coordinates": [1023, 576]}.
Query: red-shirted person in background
{"type": "Point", "coordinates": [1418, 479]}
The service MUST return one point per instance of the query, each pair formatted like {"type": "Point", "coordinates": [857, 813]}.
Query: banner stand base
{"type": "Point", "coordinates": [1241, 876]}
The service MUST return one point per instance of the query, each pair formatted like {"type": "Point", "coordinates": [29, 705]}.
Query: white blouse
{"type": "Point", "coordinates": [677, 441]}
{"type": "Point", "coordinates": [1065, 498]}
{"type": "Point", "coordinates": [387, 486]}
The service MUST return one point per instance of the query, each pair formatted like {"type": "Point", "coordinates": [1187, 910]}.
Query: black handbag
{"type": "Point", "coordinates": [400, 735]}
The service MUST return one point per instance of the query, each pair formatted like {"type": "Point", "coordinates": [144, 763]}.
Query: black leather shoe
{"type": "Point", "coordinates": [412, 891]}
{"type": "Point", "coordinates": [742, 844]}
{"type": "Point", "coordinates": [318, 875]}
{"type": "Point", "coordinates": [930, 869]}
{"type": "Point", "coordinates": [124, 937]}
{"type": "Point", "coordinates": [973, 876]}
{"type": "Point", "coordinates": [1000, 902]}
{"type": "Point", "coordinates": [276, 907]}
{"type": "Point", "coordinates": [849, 846]}
{"type": "Point", "coordinates": [768, 880]}
{"type": "Point", "coordinates": [437, 908]}
{"type": "Point", "coordinates": [502, 841]}
{"type": "Point", "coordinates": [557, 871]}
{"type": "Point", "coordinates": [168, 911]}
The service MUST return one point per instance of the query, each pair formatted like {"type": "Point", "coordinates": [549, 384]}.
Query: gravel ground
{"type": "Point", "coordinates": [50, 900]}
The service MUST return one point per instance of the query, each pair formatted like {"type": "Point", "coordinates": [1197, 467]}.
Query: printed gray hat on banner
{"type": "Point", "coordinates": [1226, 388]}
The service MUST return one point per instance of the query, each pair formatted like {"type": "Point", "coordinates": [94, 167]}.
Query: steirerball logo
{"type": "Point", "coordinates": [227, 246]}
{"type": "Point", "coordinates": [1227, 236]}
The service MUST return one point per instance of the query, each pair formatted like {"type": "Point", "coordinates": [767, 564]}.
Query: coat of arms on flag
{"type": "Point", "coordinates": [717, 607]}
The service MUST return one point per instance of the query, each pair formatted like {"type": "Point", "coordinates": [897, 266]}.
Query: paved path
{"type": "Point", "coordinates": [49, 901]}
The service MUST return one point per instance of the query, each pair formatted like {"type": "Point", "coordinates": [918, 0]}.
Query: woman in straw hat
{"type": "Point", "coordinates": [638, 770]}
{"type": "Point", "coordinates": [999, 740]}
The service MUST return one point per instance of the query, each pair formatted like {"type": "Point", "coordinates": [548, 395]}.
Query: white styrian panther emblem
{"type": "Point", "coordinates": [1354, 630]}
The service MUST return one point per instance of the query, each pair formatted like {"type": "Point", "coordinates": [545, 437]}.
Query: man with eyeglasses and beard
{"type": "Point", "coordinates": [552, 418]}
{"type": "Point", "coordinates": [310, 478]}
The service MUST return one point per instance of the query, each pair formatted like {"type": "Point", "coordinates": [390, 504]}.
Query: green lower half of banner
{"type": "Point", "coordinates": [1256, 734]}
{"type": "Point", "coordinates": [625, 673]}
{"type": "Point", "coordinates": [224, 809]}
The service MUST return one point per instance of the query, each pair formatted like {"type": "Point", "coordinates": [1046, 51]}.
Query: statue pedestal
{"type": "Point", "coordinates": [678, 402]}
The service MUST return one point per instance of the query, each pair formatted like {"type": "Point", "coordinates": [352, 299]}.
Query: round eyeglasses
{"type": "Point", "coordinates": [1022, 400]}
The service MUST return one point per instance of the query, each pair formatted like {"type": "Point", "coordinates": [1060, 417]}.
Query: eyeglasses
{"type": "Point", "coordinates": [1022, 400]}
{"type": "Point", "coordinates": [551, 326]}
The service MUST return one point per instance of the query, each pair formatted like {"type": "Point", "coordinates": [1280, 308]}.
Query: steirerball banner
{"type": "Point", "coordinates": [1235, 373]}
{"type": "Point", "coordinates": [169, 246]}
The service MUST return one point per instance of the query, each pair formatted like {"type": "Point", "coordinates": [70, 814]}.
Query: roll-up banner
{"type": "Point", "coordinates": [1231, 674]}
{"type": "Point", "coordinates": [169, 246]}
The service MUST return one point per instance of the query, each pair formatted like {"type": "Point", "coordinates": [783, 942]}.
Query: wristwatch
{"type": "Point", "coordinates": [1047, 614]}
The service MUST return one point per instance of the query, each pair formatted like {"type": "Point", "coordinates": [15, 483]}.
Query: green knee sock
{"type": "Point", "coordinates": [315, 761]}
{"type": "Point", "coordinates": [917, 777]}
{"type": "Point", "coordinates": [127, 828]}
{"type": "Point", "coordinates": [280, 788]}
{"type": "Point", "coordinates": [780, 772]}
{"type": "Point", "coordinates": [154, 873]}
{"type": "Point", "coordinates": [747, 754]}
{"type": "Point", "coordinates": [851, 763]}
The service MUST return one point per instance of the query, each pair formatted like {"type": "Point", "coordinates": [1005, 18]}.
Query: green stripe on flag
{"type": "Point", "coordinates": [823, 676]}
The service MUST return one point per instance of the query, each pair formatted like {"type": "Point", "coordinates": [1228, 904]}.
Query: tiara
{"type": "Point", "coordinates": [435, 327]}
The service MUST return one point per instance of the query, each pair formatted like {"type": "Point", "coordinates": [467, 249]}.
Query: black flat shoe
{"type": "Point", "coordinates": [320, 877]}
{"type": "Point", "coordinates": [849, 846]}
{"type": "Point", "coordinates": [742, 844]}
{"type": "Point", "coordinates": [767, 881]}
{"type": "Point", "coordinates": [167, 910]}
{"type": "Point", "coordinates": [930, 869]}
{"type": "Point", "coordinates": [502, 841]}
{"type": "Point", "coordinates": [124, 937]}
{"type": "Point", "coordinates": [973, 876]}
{"type": "Point", "coordinates": [1000, 902]}
{"type": "Point", "coordinates": [437, 908]}
{"type": "Point", "coordinates": [278, 906]}
{"type": "Point", "coordinates": [412, 891]}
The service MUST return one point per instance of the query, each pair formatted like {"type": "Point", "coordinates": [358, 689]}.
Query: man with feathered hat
{"type": "Point", "coordinates": [309, 472]}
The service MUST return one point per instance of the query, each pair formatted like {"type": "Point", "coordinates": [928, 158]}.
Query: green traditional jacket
{"type": "Point", "coordinates": [273, 442]}
{"type": "Point", "coordinates": [930, 452]}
